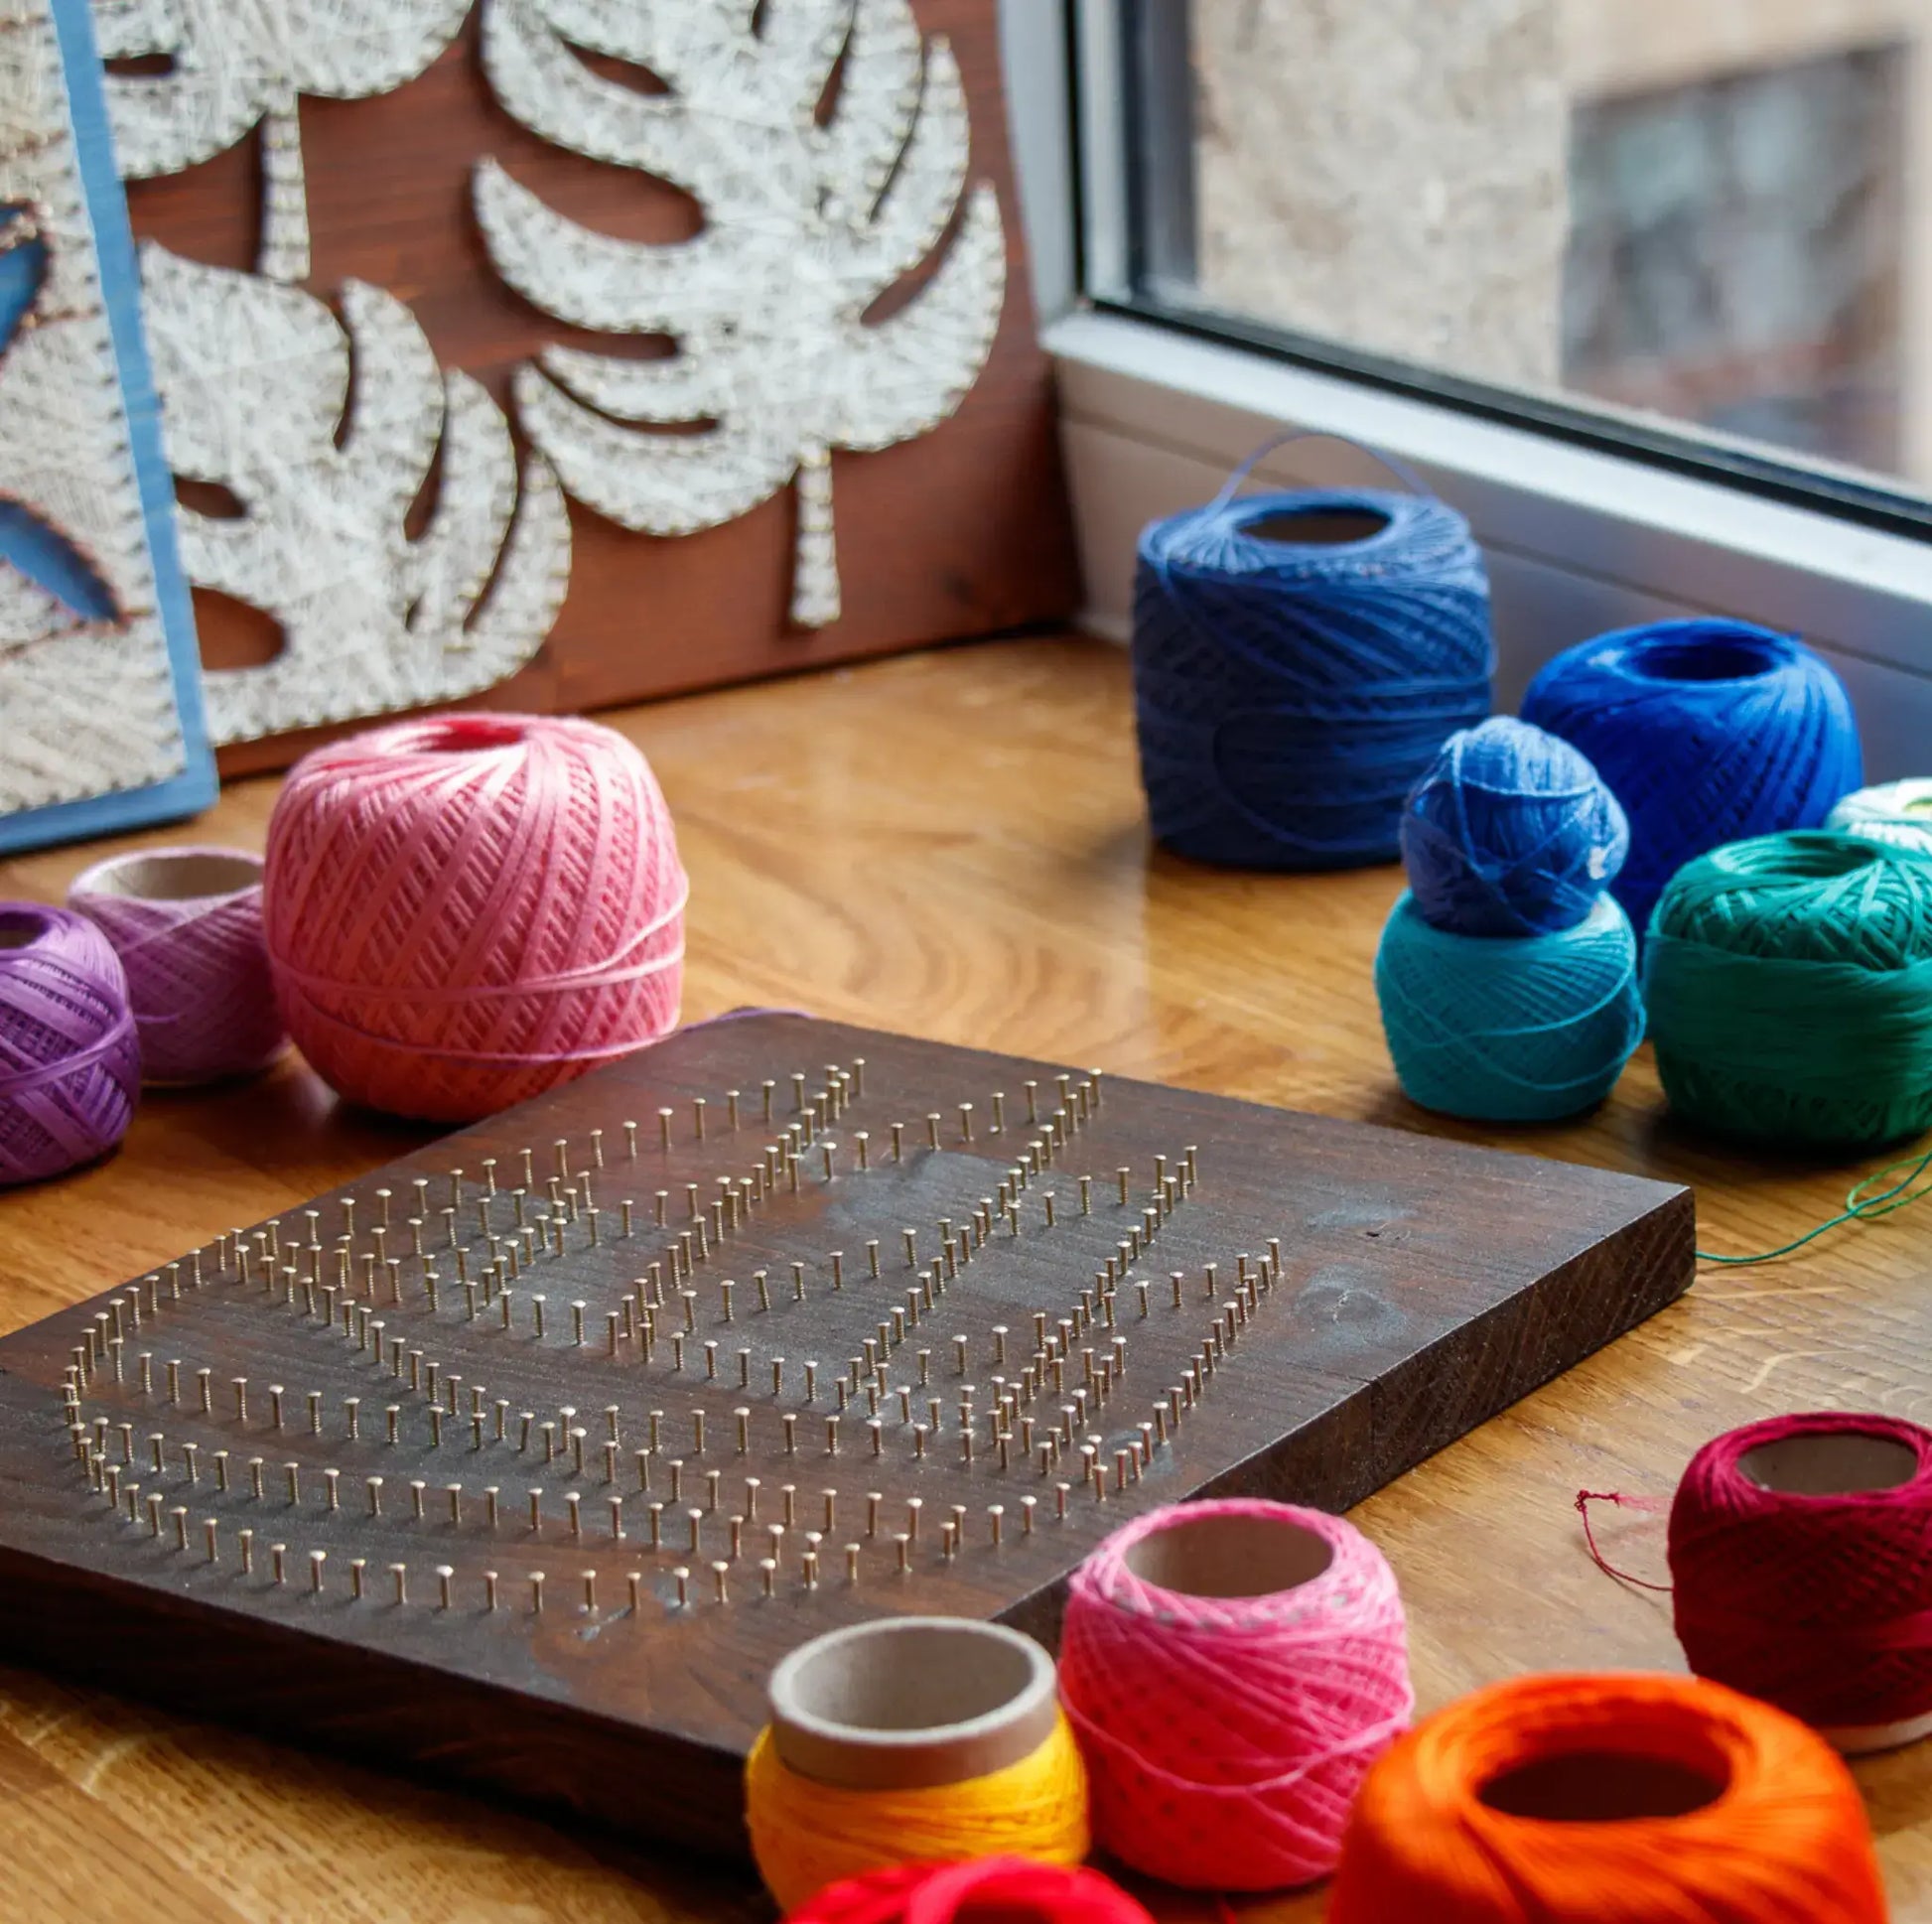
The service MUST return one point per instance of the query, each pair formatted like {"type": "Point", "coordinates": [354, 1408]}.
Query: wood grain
{"type": "Point", "coordinates": [953, 844]}
{"type": "Point", "coordinates": [963, 531]}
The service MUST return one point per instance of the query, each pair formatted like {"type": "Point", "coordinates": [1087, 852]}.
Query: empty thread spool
{"type": "Point", "coordinates": [186, 925]}
{"type": "Point", "coordinates": [69, 1060]}
{"type": "Point", "coordinates": [1788, 981]}
{"type": "Point", "coordinates": [1898, 812]}
{"type": "Point", "coordinates": [1232, 1668]}
{"type": "Point", "coordinates": [1528, 1802]}
{"type": "Point", "coordinates": [1510, 832]}
{"type": "Point", "coordinates": [1707, 732]}
{"type": "Point", "coordinates": [1298, 659]}
{"type": "Point", "coordinates": [916, 1740]}
{"type": "Point", "coordinates": [1801, 1554]}
{"type": "Point", "coordinates": [1502, 1028]}
{"type": "Point", "coordinates": [986, 1890]}
{"type": "Point", "coordinates": [466, 910]}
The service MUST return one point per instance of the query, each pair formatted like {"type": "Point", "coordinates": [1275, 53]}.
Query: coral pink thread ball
{"type": "Point", "coordinates": [466, 910]}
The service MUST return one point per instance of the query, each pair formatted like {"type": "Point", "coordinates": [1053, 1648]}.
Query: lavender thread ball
{"type": "Point", "coordinates": [69, 1060]}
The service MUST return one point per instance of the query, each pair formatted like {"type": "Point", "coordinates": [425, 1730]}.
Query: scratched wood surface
{"type": "Point", "coordinates": [983, 878]}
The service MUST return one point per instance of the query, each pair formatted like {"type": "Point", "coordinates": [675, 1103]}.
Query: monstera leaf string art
{"type": "Point", "coordinates": [809, 219]}
{"type": "Point", "coordinates": [236, 64]}
{"type": "Point", "coordinates": [254, 379]}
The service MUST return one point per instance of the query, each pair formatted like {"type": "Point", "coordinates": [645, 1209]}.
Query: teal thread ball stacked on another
{"type": "Point", "coordinates": [1789, 980]}
{"type": "Point", "coordinates": [1507, 975]}
{"type": "Point", "coordinates": [1509, 1029]}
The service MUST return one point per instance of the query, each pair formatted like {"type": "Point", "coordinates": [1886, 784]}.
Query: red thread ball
{"type": "Point", "coordinates": [987, 1890]}
{"type": "Point", "coordinates": [1818, 1598]}
{"type": "Point", "coordinates": [464, 911]}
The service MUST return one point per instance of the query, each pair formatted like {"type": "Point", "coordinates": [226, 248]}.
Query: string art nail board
{"type": "Point", "coordinates": [524, 1460]}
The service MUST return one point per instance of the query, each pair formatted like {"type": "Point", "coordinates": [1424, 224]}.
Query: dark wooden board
{"type": "Point", "coordinates": [960, 533]}
{"type": "Point", "coordinates": [1423, 1285]}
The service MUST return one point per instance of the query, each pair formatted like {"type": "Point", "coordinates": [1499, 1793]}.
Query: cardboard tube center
{"type": "Point", "coordinates": [911, 1702]}
{"type": "Point", "coordinates": [1840, 1465]}
{"type": "Point", "coordinates": [191, 875]}
{"type": "Point", "coordinates": [1229, 1555]}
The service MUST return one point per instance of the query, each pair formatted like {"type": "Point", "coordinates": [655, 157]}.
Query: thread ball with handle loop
{"type": "Point", "coordinates": [1298, 659]}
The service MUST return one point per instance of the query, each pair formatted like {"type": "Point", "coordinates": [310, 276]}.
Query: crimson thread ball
{"type": "Point", "coordinates": [1812, 1590]}
{"type": "Point", "coordinates": [465, 911]}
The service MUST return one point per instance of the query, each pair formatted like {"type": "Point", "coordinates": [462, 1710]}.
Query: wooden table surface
{"type": "Point", "coordinates": [953, 844]}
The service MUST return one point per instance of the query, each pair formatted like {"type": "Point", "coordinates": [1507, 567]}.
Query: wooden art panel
{"type": "Point", "coordinates": [954, 532]}
{"type": "Point", "coordinates": [770, 1329]}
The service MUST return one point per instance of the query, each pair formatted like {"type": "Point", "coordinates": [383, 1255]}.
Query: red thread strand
{"type": "Point", "coordinates": [1584, 1498]}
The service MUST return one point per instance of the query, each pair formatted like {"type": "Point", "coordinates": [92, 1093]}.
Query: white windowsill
{"type": "Point", "coordinates": [1578, 542]}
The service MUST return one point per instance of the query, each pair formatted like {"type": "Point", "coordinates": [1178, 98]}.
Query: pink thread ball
{"type": "Point", "coordinates": [69, 1060]}
{"type": "Point", "coordinates": [186, 925]}
{"type": "Point", "coordinates": [1231, 1670]}
{"type": "Point", "coordinates": [465, 910]}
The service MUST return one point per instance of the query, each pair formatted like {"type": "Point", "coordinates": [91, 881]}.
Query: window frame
{"type": "Point", "coordinates": [1590, 523]}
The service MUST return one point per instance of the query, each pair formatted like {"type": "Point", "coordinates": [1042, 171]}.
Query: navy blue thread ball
{"type": "Point", "coordinates": [1511, 832]}
{"type": "Point", "coordinates": [1707, 732]}
{"type": "Point", "coordinates": [1290, 688]}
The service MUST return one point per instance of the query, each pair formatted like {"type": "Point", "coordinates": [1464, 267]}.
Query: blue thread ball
{"type": "Point", "coordinates": [1298, 659]}
{"type": "Point", "coordinates": [1525, 1029]}
{"type": "Point", "coordinates": [1511, 832]}
{"type": "Point", "coordinates": [1707, 732]}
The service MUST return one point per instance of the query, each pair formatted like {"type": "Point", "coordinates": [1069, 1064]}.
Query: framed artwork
{"type": "Point", "coordinates": [98, 683]}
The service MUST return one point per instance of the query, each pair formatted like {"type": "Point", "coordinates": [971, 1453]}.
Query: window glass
{"type": "Point", "coordinates": [1705, 213]}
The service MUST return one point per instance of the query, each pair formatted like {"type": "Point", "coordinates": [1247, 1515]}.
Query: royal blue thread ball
{"type": "Point", "coordinates": [1511, 832]}
{"type": "Point", "coordinates": [1707, 732]}
{"type": "Point", "coordinates": [1298, 659]}
{"type": "Point", "coordinates": [1509, 1029]}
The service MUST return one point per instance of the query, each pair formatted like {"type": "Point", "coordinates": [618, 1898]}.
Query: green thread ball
{"type": "Point", "coordinates": [1789, 985]}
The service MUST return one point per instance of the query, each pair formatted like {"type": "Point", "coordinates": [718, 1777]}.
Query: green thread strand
{"type": "Point", "coordinates": [1912, 1187]}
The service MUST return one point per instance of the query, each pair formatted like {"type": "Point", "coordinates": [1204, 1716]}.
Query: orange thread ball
{"type": "Point", "coordinates": [1572, 1800]}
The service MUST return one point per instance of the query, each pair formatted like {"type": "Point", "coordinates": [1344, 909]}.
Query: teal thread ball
{"type": "Point", "coordinates": [1789, 980]}
{"type": "Point", "coordinates": [1502, 1028]}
